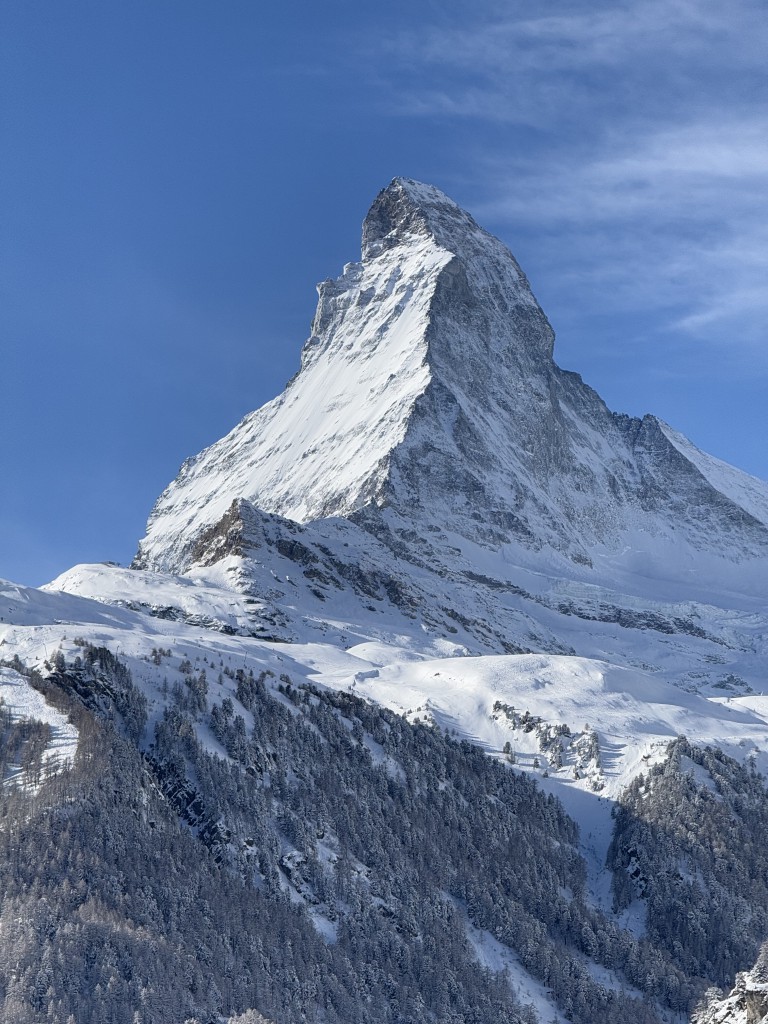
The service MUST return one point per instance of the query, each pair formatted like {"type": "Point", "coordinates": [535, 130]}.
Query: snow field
{"type": "Point", "coordinates": [26, 704]}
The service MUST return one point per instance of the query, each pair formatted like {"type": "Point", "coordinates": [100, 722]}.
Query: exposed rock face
{"type": "Point", "coordinates": [746, 1003]}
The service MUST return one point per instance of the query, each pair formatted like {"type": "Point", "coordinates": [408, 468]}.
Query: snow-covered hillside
{"type": "Point", "coordinates": [21, 704]}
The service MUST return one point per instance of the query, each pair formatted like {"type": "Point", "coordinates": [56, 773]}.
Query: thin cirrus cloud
{"type": "Point", "coordinates": [512, 68]}
{"type": "Point", "coordinates": [672, 223]}
{"type": "Point", "coordinates": [636, 134]}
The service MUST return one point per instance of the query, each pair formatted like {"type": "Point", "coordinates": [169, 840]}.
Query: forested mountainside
{"type": "Point", "coordinates": [690, 840]}
{"type": "Point", "coordinates": [434, 695]}
{"type": "Point", "coordinates": [340, 862]}
{"type": "Point", "coordinates": [153, 887]}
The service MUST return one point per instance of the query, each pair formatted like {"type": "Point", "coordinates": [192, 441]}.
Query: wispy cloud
{"type": "Point", "coordinates": [633, 136]}
{"type": "Point", "coordinates": [649, 56]}
{"type": "Point", "coordinates": [673, 221]}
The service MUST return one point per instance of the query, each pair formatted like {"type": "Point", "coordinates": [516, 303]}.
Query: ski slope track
{"type": "Point", "coordinates": [436, 517]}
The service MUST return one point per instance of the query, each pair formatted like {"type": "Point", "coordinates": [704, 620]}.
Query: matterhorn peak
{"type": "Point", "coordinates": [408, 212]}
{"type": "Point", "coordinates": [428, 395]}
{"type": "Point", "coordinates": [416, 236]}
{"type": "Point", "coordinates": [436, 305]}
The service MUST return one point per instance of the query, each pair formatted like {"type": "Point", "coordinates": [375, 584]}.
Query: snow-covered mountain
{"type": "Point", "coordinates": [430, 468]}
{"type": "Point", "coordinates": [434, 520]}
{"type": "Point", "coordinates": [428, 396]}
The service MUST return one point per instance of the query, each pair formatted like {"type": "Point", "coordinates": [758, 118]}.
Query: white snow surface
{"type": "Point", "coordinates": [496, 957]}
{"type": "Point", "coordinates": [632, 712]}
{"type": "Point", "coordinates": [27, 704]}
{"type": "Point", "coordinates": [195, 599]}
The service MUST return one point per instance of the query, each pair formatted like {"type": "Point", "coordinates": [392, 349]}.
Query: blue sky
{"type": "Point", "coordinates": [177, 176]}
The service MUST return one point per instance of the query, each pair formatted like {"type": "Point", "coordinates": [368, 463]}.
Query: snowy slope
{"type": "Point", "coordinates": [747, 491]}
{"type": "Point", "coordinates": [193, 600]}
{"type": "Point", "coordinates": [23, 703]}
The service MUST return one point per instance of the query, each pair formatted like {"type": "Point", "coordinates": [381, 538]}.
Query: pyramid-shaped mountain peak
{"type": "Point", "coordinates": [427, 397]}
{"type": "Point", "coordinates": [408, 209]}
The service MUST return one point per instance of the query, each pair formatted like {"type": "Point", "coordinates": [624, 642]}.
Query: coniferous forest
{"type": "Point", "coordinates": [153, 881]}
